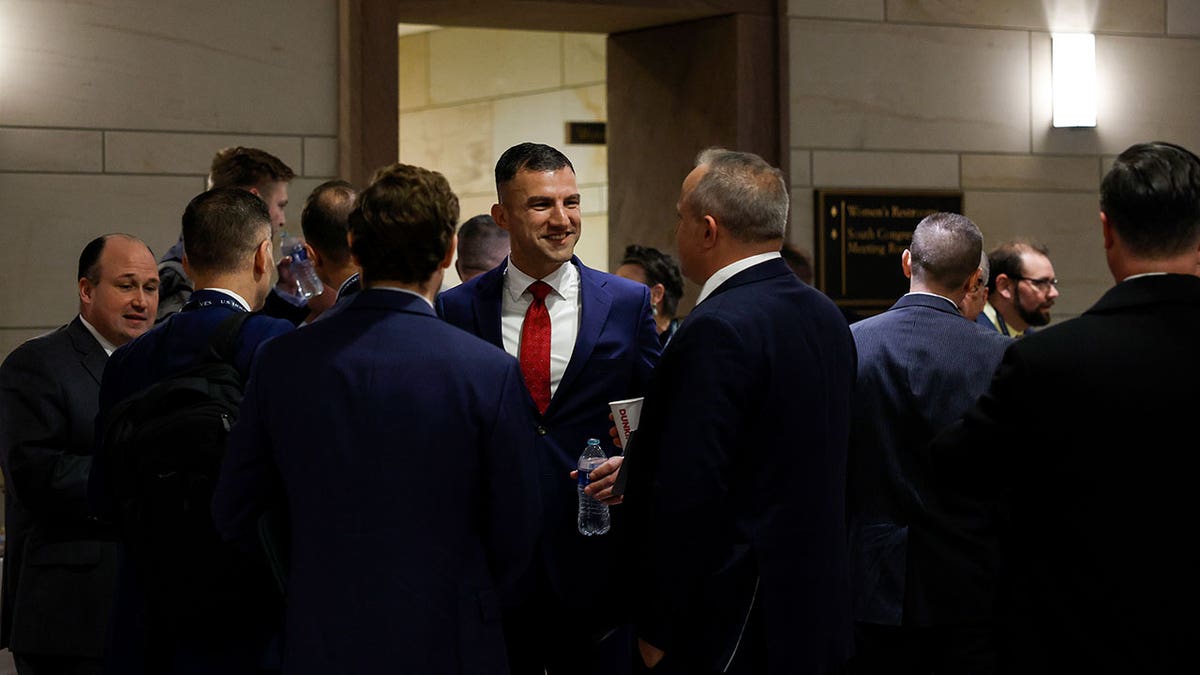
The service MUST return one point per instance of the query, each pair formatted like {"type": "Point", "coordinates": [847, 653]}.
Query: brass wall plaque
{"type": "Point", "coordinates": [860, 237]}
{"type": "Point", "coordinates": [586, 133]}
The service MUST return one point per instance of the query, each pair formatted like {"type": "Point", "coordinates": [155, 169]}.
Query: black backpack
{"type": "Point", "coordinates": [165, 445]}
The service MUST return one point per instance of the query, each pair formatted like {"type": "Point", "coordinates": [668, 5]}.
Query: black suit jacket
{"type": "Point", "coordinates": [921, 365]}
{"type": "Point", "coordinates": [59, 566]}
{"type": "Point", "coordinates": [740, 478]}
{"type": "Point", "coordinates": [1073, 480]}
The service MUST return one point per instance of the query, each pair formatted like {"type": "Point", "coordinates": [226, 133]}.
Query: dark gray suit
{"type": "Point", "coordinates": [59, 567]}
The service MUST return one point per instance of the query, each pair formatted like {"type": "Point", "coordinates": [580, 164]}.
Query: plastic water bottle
{"type": "Point", "coordinates": [307, 282]}
{"type": "Point", "coordinates": [593, 514]}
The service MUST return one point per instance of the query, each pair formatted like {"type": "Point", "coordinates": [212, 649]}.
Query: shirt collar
{"type": "Point", "coordinates": [241, 301]}
{"type": "Point", "coordinates": [350, 280]}
{"type": "Point", "coordinates": [397, 289]}
{"type": "Point", "coordinates": [1144, 274]}
{"type": "Point", "coordinates": [517, 282]}
{"type": "Point", "coordinates": [107, 346]}
{"type": "Point", "coordinates": [935, 295]}
{"type": "Point", "coordinates": [727, 272]}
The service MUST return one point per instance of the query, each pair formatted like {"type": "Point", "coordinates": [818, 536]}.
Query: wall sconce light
{"type": "Point", "coordinates": [1073, 66]}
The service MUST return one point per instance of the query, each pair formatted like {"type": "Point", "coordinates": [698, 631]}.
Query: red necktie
{"type": "Point", "coordinates": [535, 346]}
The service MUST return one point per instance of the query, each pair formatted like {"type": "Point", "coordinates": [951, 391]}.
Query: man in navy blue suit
{"type": "Point", "coordinates": [921, 365]}
{"type": "Point", "coordinates": [738, 474]}
{"type": "Point", "coordinates": [584, 338]}
{"type": "Point", "coordinates": [409, 475]}
{"type": "Point", "coordinates": [228, 256]}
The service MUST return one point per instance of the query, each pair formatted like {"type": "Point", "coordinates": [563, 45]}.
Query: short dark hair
{"type": "Point", "coordinates": [247, 168]}
{"type": "Point", "coordinates": [89, 258]}
{"type": "Point", "coordinates": [478, 240]}
{"type": "Point", "coordinates": [945, 249]}
{"type": "Point", "coordinates": [528, 157]}
{"type": "Point", "coordinates": [799, 262]}
{"type": "Point", "coordinates": [744, 193]}
{"type": "Point", "coordinates": [325, 217]}
{"type": "Point", "coordinates": [403, 224]}
{"type": "Point", "coordinates": [659, 268]}
{"type": "Point", "coordinates": [1006, 259]}
{"type": "Point", "coordinates": [1151, 197]}
{"type": "Point", "coordinates": [221, 229]}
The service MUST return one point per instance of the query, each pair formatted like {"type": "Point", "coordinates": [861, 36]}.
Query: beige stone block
{"type": "Point", "coordinates": [320, 156]}
{"type": "Point", "coordinates": [583, 58]}
{"type": "Point", "coordinates": [11, 338]}
{"type": "Point", "coordinates": [47, 219]}
{"type": "Point", "coordinates": [225, 65]}
{"type": "Point", "coordinates": [882, 87]}
{"type": "Point", "coordinates": [593, 200]}
{"type": "Point", "coordinates": [471, 205]}
{"type": "Point", "coordinates": [414, 71]}
{"type": "Point", "coordinates": [298, 191]}
{"type": "Point", "coordinates": [800, 219]}
{"type": "Point", "coordinates": [456, 141]}
{"type": "Point", "coordinates": [542, 118]}
{"type": "Point", "coordinates": [167, 153]}
{"type": "Point", "coordinates": [1065, 222]}
{"type": "Point", "coordinates": [1029, 172]}
{"type": "Point", "coordinates": [515, 62]}
{"type": "Point", "coordinates": [800, 171]}
{"type": "Point", "coordinates": [867, 10]}
{"type": "Point", "coordinates": [885, 169]}
{"type": "Point", "coordinates": [50, 150]}
{"type": "Point", "coordinates": [592, 248]}
{"type": "Point", "coordinates": [1109, 16]}
{"type": "Point", "coordinates": [1139, 98]}
{"type": "Point", "coordinates": [1183, 17]}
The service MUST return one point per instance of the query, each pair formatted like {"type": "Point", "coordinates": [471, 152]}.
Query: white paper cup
{"type": "Point", "coordinates": [626, 415]}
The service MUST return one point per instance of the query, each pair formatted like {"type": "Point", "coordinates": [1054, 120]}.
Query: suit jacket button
{"type": "Point", "coordinates": [542, 431]}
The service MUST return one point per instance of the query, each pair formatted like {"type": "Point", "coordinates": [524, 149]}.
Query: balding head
{"type": "Point", "coordinates": [945, 252]}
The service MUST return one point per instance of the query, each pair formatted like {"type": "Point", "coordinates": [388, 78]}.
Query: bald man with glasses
{"type": "Point", "coordinates": [1022, 289]}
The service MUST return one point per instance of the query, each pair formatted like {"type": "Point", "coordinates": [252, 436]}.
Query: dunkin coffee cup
{"type": "Point", "coordinates": [626, 415]}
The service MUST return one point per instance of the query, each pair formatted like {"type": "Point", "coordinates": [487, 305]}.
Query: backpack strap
{"type": "Point", "coordinates": [222, 346]}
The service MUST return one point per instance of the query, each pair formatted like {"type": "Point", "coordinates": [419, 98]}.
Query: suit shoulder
{"type": "Point", "coordinates": [39, 347]}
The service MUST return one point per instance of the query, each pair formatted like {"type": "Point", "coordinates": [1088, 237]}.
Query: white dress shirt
{"type": "Point", "coordinates": [562, 305]}
{"type": "Point", "coordinates": [107, 346]}
{"type": "Point", "coordinates": [725, 273]}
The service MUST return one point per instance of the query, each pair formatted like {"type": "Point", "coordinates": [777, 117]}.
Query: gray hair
{"type": "Point", "coordinates": [945, 249]}
{"type": "Point", "coordinates": [742, 192]}
{"type": "Point", "coordinates": [984, 268]}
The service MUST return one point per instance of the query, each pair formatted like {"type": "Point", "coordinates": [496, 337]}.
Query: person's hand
{"type": "Point", "coordinates": [287, 282]}
{"type": "Point", "coordinates": [601, 481]}
{"type": "Point", "coordinates": [612, 431]}
{"type": "Point", "coordinates": [651, 655]}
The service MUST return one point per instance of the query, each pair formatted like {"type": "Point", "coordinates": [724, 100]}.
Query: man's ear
{"type": "Point", "coordinates": [711, 232]}
{"type": "Point", "coordinates": [1004, 286]}
{"type": "Point", "coordinates": [499, 216]}
{"type": "Point", "coordinates": [973, 282]}
{"type": "Point", "coordinates": [906, 263]}
{"type": "Point", "coordinates": [263, 259]}
{"type": "Point", "coordinates": [1106, 228]}
{"type": "Point", "coordinates": [85, 290]}
{"type": "Point", "coordinates": [187, 267]}
{"type": "Point", "coordinates": [449, 257]}
{"type": "Point", "coordinates": [313, 255]}
{"type": "Point", "coordinates": [657, 291]}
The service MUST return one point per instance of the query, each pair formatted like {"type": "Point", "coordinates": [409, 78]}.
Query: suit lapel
{"type": "Point", "coordinates": [486, 306]}
{"type": "Point", "coordinates": [594, 303]}
{"type": "Point", "coordinates": [91, 354]}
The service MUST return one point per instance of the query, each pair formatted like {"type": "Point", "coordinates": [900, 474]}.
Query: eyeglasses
{"type": "Point", "coordinates": [1043, 285]}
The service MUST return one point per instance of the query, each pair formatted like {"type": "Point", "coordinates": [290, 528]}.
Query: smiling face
{"type": "Point", "coordinates": [123, 299]}
{"type": "Point", "coordinates": [540, 211]}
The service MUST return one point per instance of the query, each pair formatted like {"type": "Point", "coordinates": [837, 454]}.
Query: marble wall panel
{"type": "Point", "coordinates": [215, 66]}
{"type": "Point", "coordinates": [1141, 95]}
{"type": "Point", "coordinates": [1183, 17]}
{"type": "Point", "coordinates": [456, 141]}
{"type": "Point", "coordinates": [884, 87]}
{"type": "Point", "coordinates": [1110, 16]}
{"type": "Point", "coordinates": [583, 57]}
{"type": "Point", "coordinates": [885, 169]}
{"type": "Point", "coordinates": [542, 118]}
{"type": "Point", "coordinates": [51, 150]}
{"type": "Point", "coordinates": [516, 62]}
{"type": "Point", "coordinates": [592, 248]}
{"type": "Point", "coordinates": [47, 219]}
{"type": "Point", "coordinates": [171, 153]}
{"type": "Point", "coordinates": [800, 219]}
{"type": "Point", "coordinates": [414, 71]}
{"type": "Point", "coordinates": [1029, 172]}
{"type": "Point", "coordinates": [800, 170]}
{"type": "Point", "coordinates": [867, 10]}
{"type": "Point", "coordinates": [320, 156]}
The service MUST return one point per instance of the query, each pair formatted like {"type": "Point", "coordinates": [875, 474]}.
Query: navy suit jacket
{"type": "Point", "coordinates": [921, 365]}
{"type": "Point", "coordinates": [1073, 479]}
{"type": "Point", "coordinates": [738, 480]}
{"type": "Point", "coordinates": [615, 353]}
{"type": "Point", "coordinates": [59, 565]}
{"type": "Point", "coordinates": [233, 640]}
{"type": "Point", "coordinates": [409, 479]}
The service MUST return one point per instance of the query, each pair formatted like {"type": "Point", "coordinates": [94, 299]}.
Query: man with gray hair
{"type": "Point", "coordinates": [738, 486]}
{"type": "Point", "coordinates": [482, 245]}
{"type": "Point", "coordinates": [977, 296]}
{"type": "Point", "coordinates": [920, 367]}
